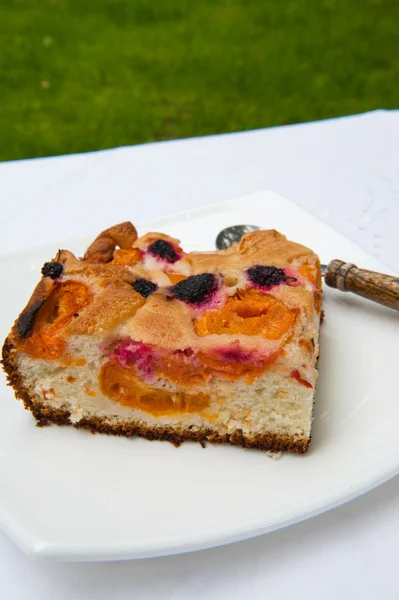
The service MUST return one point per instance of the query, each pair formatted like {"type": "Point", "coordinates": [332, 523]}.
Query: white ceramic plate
{"type": "Point", "coordinates": [65, 494]}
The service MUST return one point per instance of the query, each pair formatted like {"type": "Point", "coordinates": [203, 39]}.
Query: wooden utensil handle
{"type": "Point", "coordinates": [378, 287]}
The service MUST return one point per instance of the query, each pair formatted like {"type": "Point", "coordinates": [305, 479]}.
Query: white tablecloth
{"type": "Point", "coordinates": [344, 171]}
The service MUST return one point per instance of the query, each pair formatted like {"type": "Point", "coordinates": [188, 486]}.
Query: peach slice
{"type": "Point", "coordinates": [66, 299]}
{"type": "Point", "coordinates": [123, 386]}
{"type": "Point", "coordinates": [249, 312]}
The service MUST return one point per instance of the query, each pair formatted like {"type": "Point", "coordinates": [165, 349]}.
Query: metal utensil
{"type": "Point", "coordinates": [347, 277]}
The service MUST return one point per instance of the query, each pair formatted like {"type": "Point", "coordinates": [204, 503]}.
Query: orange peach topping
{"type": "Point", "coordinates": [249, 312]}
{"type": "Point", "coordinates": [176, 277]}
{"type": "Point", "coordinates": [64, 301]}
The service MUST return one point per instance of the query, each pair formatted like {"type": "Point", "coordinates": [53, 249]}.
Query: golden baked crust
{"type": "Point", "coordinates": [111, 283]}
{"type": "Point", "coordinates": [102, 249]}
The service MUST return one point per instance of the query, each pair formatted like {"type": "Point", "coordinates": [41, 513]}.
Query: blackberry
{"type": "Point", "coordinates": [52, 269]}
{"type": "Point", "coordinates": [195, 289]}
{"type": "Point", "coordinates": [144, 287]}
{"type": "Point", "coordinates": [266, 276]}
{"type": "Point", "coordinates": [164, 250]}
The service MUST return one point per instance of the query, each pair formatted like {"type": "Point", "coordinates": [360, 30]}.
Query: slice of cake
{"type": "Point", "coordinates": [140, 338]}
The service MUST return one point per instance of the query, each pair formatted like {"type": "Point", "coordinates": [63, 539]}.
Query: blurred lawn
{"type": "Point", "coordinates": [79, 75]}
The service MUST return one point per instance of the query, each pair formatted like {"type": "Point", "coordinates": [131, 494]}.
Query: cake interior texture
{"type": "Point", "coordinates": [140, 338]}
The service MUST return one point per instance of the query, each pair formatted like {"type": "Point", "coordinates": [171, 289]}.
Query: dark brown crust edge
{"type": "Point", "coordinates": [24, 323]}
{"type": "Point", "coordinates": [46, 415]}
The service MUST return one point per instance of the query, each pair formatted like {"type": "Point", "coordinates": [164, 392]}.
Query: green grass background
{"type": "Point", "coordinates": [78, 75]}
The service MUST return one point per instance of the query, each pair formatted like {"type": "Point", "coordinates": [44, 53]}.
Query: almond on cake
{"type": "Point", "coordinates": [140, 338]}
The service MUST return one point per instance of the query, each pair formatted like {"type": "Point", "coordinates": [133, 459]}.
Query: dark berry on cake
{"type": "Point", "coordinates": [195, 289]}
{"type": "Point", "coordinates": [164, 250]}
{"type": "Point", "coordinates": [52, 269]}
{"type": "Point", "coordinates": [144, 287]}
{"type": "Point", "coordinates": [266, 276]}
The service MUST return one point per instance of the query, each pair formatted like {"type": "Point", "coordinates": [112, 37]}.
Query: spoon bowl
{"type": "Point", "coordinates": [232, 234]}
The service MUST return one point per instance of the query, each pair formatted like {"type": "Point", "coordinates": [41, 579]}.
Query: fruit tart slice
{"type": "Point", "coordinates": [140, 338]}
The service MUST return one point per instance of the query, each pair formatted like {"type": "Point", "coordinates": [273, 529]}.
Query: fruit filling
{"type": "Point", "coordinates": [265, 276]}
{"type": "Point", "coordinates": [296, 375]}
{"type": "Point", "coordinates": [176, 277]}
{"type": "Point", "coordinates": [52, 269]}
{"type": "Point", "coordinates": [64, 302]}
{"type": "Point", "coordinates": [249, 312]}
{"type": "Point", "coordinates": [123, 386]}
{"type": "Point", "coordinates": [197, 289]}
{"type": "Point", "coordinates": [188, 367]}
{"type": "Point", "coordinates": [144, 287]}
{"type": "Point", "coordinates": [164, 250]}
{"type": "Point", "coordinates": [135, 353]}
